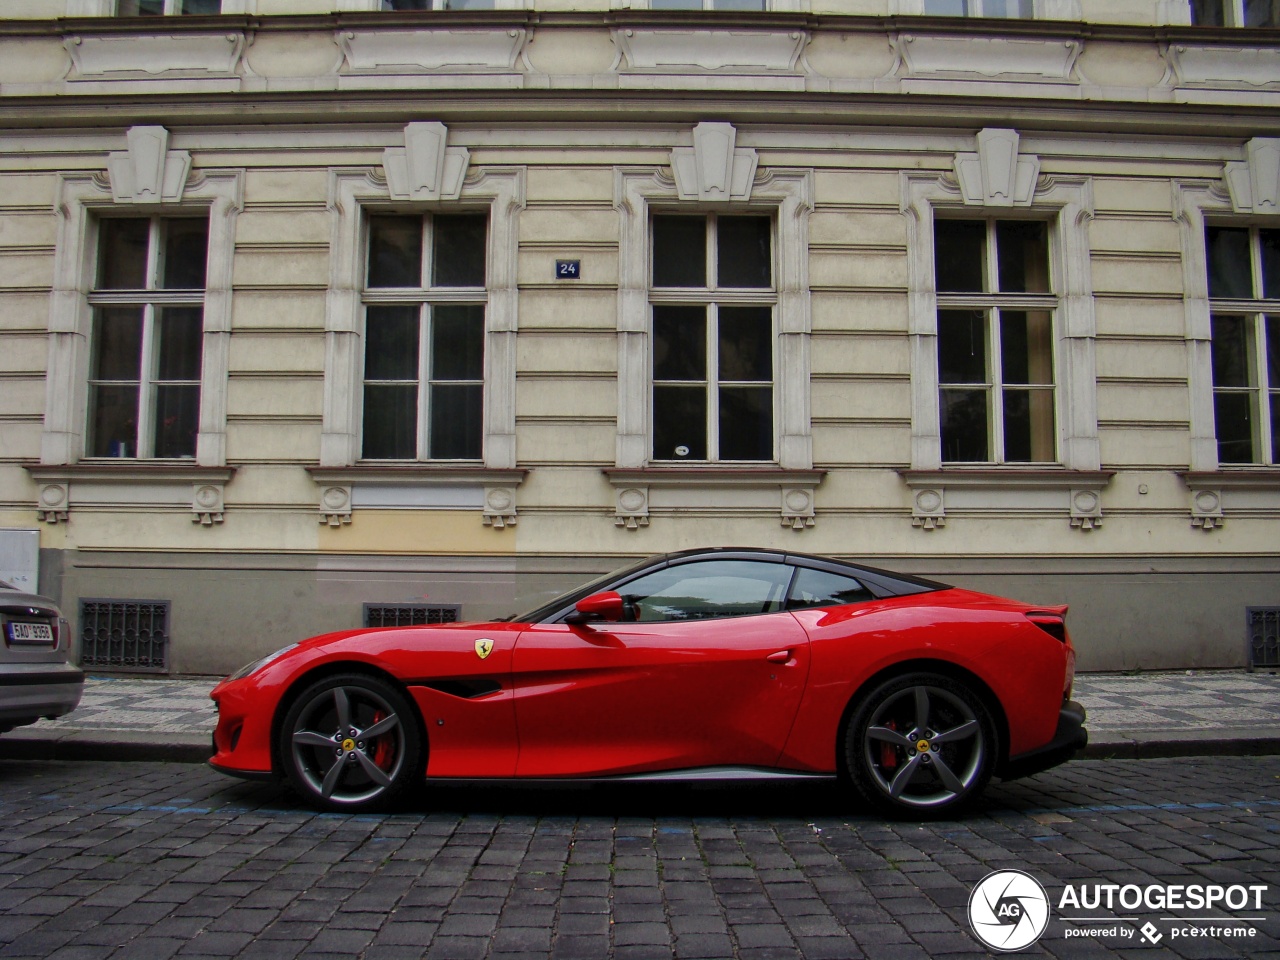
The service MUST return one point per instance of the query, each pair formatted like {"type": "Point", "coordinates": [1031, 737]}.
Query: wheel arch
{"type": "Point", "coordinates": [945, 668]}
{"type": "Point", "coordinates": [331, 669]}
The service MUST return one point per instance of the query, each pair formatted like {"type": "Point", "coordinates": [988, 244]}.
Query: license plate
{"type": "Point", "coordinates": [30, 633]}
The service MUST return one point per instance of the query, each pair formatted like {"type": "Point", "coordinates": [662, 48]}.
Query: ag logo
{"type": "Point", "coordinates": [484, 647]}
{"type": "Point", "coordinates": [1008, 910]}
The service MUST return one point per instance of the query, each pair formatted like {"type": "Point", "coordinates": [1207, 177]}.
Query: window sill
{"type": "Point", "coordinates": [991, 488]}
{"type": "Point", "coordinates": [697, 490]}
{"type": "Point", "coordinates": [97, 484]}
{"type": "Point", "coordinates": [1237, 488]}
{"type": "Point", "coordinates": [418, 486]}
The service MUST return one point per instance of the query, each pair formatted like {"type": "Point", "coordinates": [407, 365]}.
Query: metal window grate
{"type": "Point", "coordinates": [410, 614]}
{"type": "Point", "coordinates": [126, 635]}
{"type": "Point", "coordinates": [1264, 636]}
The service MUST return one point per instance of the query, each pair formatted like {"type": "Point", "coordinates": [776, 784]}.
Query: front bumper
{"type": "Point", "coordinates": [1067, 739]}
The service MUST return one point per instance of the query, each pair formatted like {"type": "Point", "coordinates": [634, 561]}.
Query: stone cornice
{"type": "Point", "coordinates": [527, 19]}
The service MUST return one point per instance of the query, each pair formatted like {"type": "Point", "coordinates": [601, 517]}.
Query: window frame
{"type": "Point", "coordinates": [150, 297]}
{"type": "Point", "coordinates": [172, 8]}
{"type": "Point", "coordinates": [1234, 15]}
{"type": "Point", "coordinates": [1066, 203]}
{"type": "Point", "coordinates": [426, 297]}
{"type": "Point", "coordinates": [83, 201]}
{"type": "Point", "coordinates": [992, 303]}
{"type": "Point", "coordinates": [713, 297]}
{"type": "Point", "coordinates": [1255, 311]}
{"type": "Point", "coordinates": [784, 194]}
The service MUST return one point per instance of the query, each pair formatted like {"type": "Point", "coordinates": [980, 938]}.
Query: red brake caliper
{"type": "Point", "coordinates": [381, 751]}
{"type": "Point", "coordinates": [888, 752]}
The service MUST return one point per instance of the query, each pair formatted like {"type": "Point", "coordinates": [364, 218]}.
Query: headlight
{"type": "Point", "coordinates": [258, 664]}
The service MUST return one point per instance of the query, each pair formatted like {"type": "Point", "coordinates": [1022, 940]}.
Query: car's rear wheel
{"type": "Point", "coordinates": [350, 742]}
{"type": "Point", "coordinates": [920, 745]}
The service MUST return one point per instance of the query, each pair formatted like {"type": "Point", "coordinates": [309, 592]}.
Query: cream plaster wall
{"type": "Point", "coordinates": [567, 344]}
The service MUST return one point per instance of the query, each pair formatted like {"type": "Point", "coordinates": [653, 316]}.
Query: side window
{"type": "Point", "coordinates": [707, 590]}
{"type": "Point", "coordinates": [817, 588]}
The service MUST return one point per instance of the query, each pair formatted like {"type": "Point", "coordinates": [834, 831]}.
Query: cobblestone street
{"type": "Point", "coordinates": [103, 860]}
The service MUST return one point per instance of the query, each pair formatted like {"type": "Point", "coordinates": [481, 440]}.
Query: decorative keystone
{"type": "Point", "coordinates": [714, 169]}
{"type": "Point", "coordinates": [148, 171]}
{"type": "Point", "coordinates": [426, 168]}
{"type": "Point", "coordinates": [997, 176]}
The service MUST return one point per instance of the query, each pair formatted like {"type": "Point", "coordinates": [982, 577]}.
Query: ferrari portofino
{"type": "Point", "coordinates": [705, 664]}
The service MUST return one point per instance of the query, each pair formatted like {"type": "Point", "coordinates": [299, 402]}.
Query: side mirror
{"type": "Point", "coordinates": [605, 606]}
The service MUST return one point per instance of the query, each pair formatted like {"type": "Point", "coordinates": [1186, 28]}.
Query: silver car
{"type": "Point", "coordinates": [38, 677]}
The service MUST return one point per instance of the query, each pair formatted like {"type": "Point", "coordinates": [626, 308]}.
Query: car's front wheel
{"type": "Point", "coordinates": [350, 743]}
{"type": "Point", "coordinates": [921, 744]}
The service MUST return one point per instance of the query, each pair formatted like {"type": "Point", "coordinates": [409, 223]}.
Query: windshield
{"type": "Point", "coordinates": [570, 597]}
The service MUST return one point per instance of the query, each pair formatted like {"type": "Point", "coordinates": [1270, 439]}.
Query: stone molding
{"type": "Point", "coordinates": [690, 490]}
{"type": "Point", "coordinates": [1001, 490]}
{"type": "Point", "coordinates": [417, 487]}
{"type": "Point", "coordinates": [195, 54]}
{"type": "Point", "coordinates": [353, 191]}
{"type": "Point", "coordinates": [134, 484]}
{"type": "Point", "coordinates": [1223, 65]}
{"type": "Point", "coordinates": [653, 50]}
{"type": "Point", "coordinates": [646, 49]}
{"type": "Point", "coordinates": [1040, 59]}
{"type": "Point", "coordinates": [452, 50]}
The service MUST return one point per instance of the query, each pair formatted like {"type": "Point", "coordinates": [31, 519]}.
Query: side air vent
{"type": "Point", "coordinates": [467, 688]}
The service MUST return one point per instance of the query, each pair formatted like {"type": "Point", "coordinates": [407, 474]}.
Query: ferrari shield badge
{"type": "Point", "coordinates": [484, 647]}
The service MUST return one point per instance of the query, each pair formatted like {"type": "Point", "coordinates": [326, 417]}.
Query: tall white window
{"type": "Point", "coordinates": [148, 326]}
{"type": "Point", "coordinates": [995, 341]}
{"type": "Point", "coordinates": [1021, 9]}
{"type": "Point", "coordinates": [1244, 304]}
{"type": "Point", "coordinates": [424, 336]}
{"type": "Point", "coordinates": [713, 298]}
{"type": "Point", "coordinates": [1235, 13]}
{"type": "Point", "coordinates": [167, 8]}
{"type": "Point", "coordinates": [706, 4]}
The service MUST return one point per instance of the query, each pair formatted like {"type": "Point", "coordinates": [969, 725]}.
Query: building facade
{"type": "Point", "coordinates": [313, 307]}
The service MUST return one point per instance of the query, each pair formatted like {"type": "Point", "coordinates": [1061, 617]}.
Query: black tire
{"type": "Point", "coordinates": [919, 773]}
{"type": "Point", "coordinates": [332, 761]}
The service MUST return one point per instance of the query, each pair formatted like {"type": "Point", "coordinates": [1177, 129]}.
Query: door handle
{"type": "Point", "coordinates": [782, 656]}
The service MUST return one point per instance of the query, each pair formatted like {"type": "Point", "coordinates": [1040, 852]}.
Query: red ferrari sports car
{"type": "Point", "coordinates": [705, 664]}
